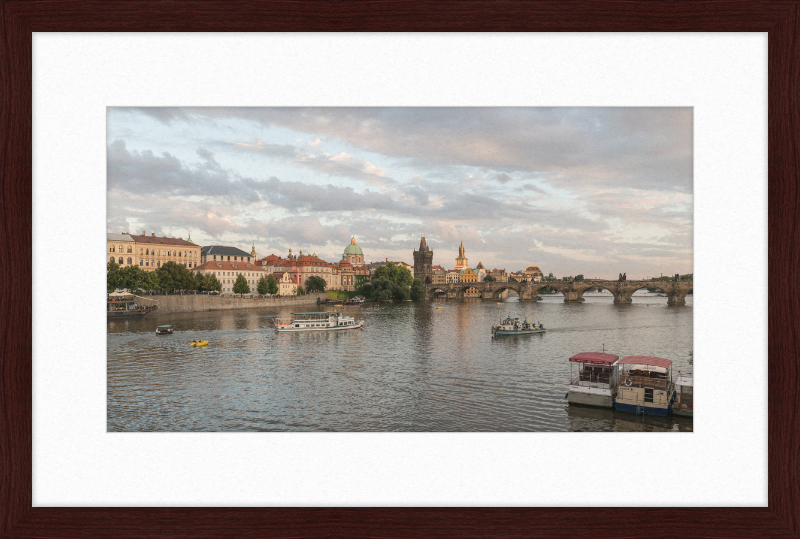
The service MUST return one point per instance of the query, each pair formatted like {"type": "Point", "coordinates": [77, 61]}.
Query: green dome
{"type": "Point", "coordinates": [353, 249]}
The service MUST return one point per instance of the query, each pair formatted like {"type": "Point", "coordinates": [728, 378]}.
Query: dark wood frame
{"type": "Point", "coordinates": [779, 18]}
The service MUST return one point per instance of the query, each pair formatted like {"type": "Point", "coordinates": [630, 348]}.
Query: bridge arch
{"type": "Point", "coordinates": [496, 290]}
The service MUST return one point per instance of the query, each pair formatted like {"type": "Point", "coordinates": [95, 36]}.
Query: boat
{"type": "Point", "coordinates": [684, 400]}
{"type": "Point", "coordinates": [645, 386]}
{"type": "Point", "coordinates": [199, 343]}
{"type": "Point", "coordinates": [512, 326]}
{"type": "Point", "coordinates": [499, 303]}
{"type": "Point", "coordinates": [323, 321]}
{"type": "Point", "coordinates": [164, 330]}
{"type": "Point", "coordinates": [119, 304]}
{"type": "Point", "coordinates": [597, 380]}
{"type": "Point", "coordinates": [438, 306]}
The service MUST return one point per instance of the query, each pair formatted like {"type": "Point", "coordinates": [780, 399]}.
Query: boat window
{"type": "Point", "coordinates": [648, 395]}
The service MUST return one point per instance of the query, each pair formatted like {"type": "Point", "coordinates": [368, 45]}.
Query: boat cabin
{"type": "Point", "coordinates": [596, 381]}
{"type": "Point", "coordinates": [316, 322]}
{"type": "Point", "coordinates": [684, 400]}
{"type": "Point", "coordinates": [646, 385]}
{"type": "Point", "coordinates": [164, 330]}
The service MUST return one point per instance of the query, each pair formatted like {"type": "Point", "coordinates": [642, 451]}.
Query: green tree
{"type": "Point", "coordinates": [417, 290]}
{"type": "Point", "coordinates": [512, 280]}
{"type": "Point", "coordinates": [396, 274]}
{"type": "Point", "coordinates": [151, 281]}
{"type": "Point", "coordinates": [579, 277]}
{"type": "Point", "coordinates": [214, 284]}
{"type": "Point", "coordinates": [135, 279]}
{"type": "Point", "coordinates": [272, 285]}
{"type": "Point", "coordinates": [240, 286]}
{"type": "Point", "coordinates": [114, 278]}
{"type": "Point", "coordinates": [488, 278]}
{"type": "Point", "coordinates": [300, 290]}
{"type": "Point", "coordinates": [315, 283]}
{"type": "Point", "coordinates": [262, 287]}
{"type": "Point", "coordinates": [172, 276]}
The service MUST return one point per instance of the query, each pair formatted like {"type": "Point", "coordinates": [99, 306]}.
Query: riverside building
{"type": "Point", "coordinates": [151, 252]}
{"type": "Point", "coordinates": [228, 272]}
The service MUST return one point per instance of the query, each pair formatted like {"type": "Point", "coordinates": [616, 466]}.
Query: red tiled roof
{"type": "Point", "coordinates": [163, 241]}
{"type": "Point", "coordinates": [241, 266]}
{"type": "Point", "coordinates": [596, 358]}
{"type": "Point", "coordinates": [646, 360]}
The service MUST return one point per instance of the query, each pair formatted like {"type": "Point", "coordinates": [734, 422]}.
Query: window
{"type": "Point", "coordinates": [111, 249]}
{"type": "Point", "coordinates": [121, 249]}
{"type": "Point", "coordinates": [648, 395]}
{"type": "Point", "coordinates": [179, 253]}
{"type": "Point", "coordinates": [112, 258]}
{"type": "Point", "coordinates": [130, 261]}
{"type": "Point", "coordinates": [146, 262]}
{"type": "Point", "coordinates": [215, 257]}
{"type": "Point", "coordinates": [141, 263]}
{"type": "Point", "coordinates": [130, 250]}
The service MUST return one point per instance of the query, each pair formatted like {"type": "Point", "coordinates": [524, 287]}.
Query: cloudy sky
{"type": "Point", "coordinates": [596, 191]}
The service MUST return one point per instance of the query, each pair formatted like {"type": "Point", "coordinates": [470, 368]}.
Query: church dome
{"type": "Point", "coordinates": [533, 269]}
{"type": "Point", "coordinates": [353, 248]}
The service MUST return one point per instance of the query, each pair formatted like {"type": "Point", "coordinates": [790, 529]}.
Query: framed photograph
{"type": "Point", "coordinates": [110, 123]}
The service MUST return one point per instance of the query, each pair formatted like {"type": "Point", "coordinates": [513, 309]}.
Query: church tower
{"type": "Point", "coordinates": [253, 252]}
{"type": "Point", "coordinates": [423, 263]}
{"type": "Point", "coordinates": [461, 261]}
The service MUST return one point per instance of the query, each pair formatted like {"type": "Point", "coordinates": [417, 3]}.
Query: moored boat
{"type": "Point", "coordinates": [122, 305]}
{"type": "Point", "coordinates": [199, 343]}
{"type": "Point", "coordinates": [597, 381]}
{"type": "Point", "coordinates": [164, 330]}
{"type": "Point", "coordinates": [645, 386]}
{"type": "Point", "coordinates": [512, 326]}
{"type": "Point", "coordinates": [322, 321]}
{"type": "Point", "coordinates": [684, 400]}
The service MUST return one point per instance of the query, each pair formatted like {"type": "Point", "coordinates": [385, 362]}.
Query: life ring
{"type": "Point", "coordinates": [628, 381]}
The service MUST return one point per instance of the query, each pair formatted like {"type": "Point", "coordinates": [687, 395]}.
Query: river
{"type": "Point", "coordinates": [412, 368]}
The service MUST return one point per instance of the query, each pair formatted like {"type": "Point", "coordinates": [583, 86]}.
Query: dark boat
{"type": "Point", "coordinates": [164, 330]}
{"type": "Point", "coordinates": [125, 305]}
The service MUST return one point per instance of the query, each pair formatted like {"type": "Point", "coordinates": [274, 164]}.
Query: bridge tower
{"type": "Point", "coordinates": [423, 263]}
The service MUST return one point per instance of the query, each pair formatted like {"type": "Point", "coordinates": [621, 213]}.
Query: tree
{"type": "Point", "coordinates": [579, 278]}
{"type": "Point", "coordinates": [512, 280]}
{"type": "Point", "coordinates": [151, 281]}
{"type": "Point", "coordinates": [272, 285]}
{"type": "Point", "coordinates": [240, 286]}
{"type": "Point", "coordinates": [396, 274]}
{"type": "Point", "coordinates": [135, 279]}
{"type": "Point", "coordinates": [114, 279]}
{"type": "Point", "coordinates": [488, 278]}
{"type": "Point", "coordinates": [300, 290]}
{"type": "Point", "coordinates": [315, 283]}
{"type": "Point", "coordinates": [172, 276]}
{"type": "Point", "coordinates": [263, 287]}
{"type": "Point", "coordinates": [417, 290]}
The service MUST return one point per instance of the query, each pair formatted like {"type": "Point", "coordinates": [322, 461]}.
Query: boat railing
{"type": "Point", "coordinates": [585, 381]}
{"type": "Point", "coordinates": [644, 381]}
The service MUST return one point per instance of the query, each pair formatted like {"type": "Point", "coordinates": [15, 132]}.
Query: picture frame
{"type": "Point", "coordinates": [781, 20]}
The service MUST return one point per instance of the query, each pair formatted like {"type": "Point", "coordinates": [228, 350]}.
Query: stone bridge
{"type": "Point", "coordinates": [622, 291]}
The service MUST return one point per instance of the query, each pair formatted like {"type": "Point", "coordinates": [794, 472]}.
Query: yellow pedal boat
{"type": "Point", "coordinates": [199, 343]}
{"type": "Point", "coordinates": [438, 307]}
{"type": "Point", "coordinates": [500, 303]}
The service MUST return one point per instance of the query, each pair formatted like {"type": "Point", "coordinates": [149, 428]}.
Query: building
{"type": "Point", "coordinates": [439, 275]}
{"type": "Point", "coordinates": [480, 271]}
{"type": "Point", "coordinates": [461, 261]}
{"type": "Point", "coordinates": [499, 275]}
{"type": "Point", "coordinates": [121, 249]}
{"type": "Point", "coordinates": [286, 287]}
{"type": "Point", "coordinates": [353, 254]}
{"type": "Point", "coordinates": [152, 252]}
{"type": "Point", "coordinates": [221, 253]}
{"type": "Point", "coordinates": [452, 276]}
{"type": "Point", "coordinates": [227, 273]}
{"type": "Point", "coordinates": [534, 273]}
{"type": "Point", "coordinates": [423, 263]}
{"type": "Point", "coordinates": [468, 276]}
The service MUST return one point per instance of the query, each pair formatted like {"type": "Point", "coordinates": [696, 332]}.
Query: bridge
{"type": "Point", "coordinates": [622, 291]}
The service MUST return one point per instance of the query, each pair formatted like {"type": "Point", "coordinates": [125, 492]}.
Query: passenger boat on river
{"type": "Point", "coordinates": [597, 381]}
{"type": "Point", "coordinates": [646, 385]}
{"type": "Point", "coordinates": [121, 304]}
{"type": "Point", "coordinates": [512, 326]}
{"type": "Point", "coordinates": [164, 330]}
{"type": "Point", "coordinates": [324, 321]}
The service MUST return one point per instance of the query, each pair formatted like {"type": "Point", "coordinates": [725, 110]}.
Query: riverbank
{"type": "Point", "coordinates": [203, 302]}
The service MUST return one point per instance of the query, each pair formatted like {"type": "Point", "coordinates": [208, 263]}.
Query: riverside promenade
{"type": "Point", "coordinates": [202, 302]}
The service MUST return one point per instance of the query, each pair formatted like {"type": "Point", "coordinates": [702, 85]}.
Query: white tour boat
{"type": "Point", "coordinates": [597, 381]}
{"type": "Point", "coordinates": [324, 321]}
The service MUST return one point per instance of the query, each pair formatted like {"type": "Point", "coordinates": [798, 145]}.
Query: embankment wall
{"type": "Point", "coordinates": [202, 302]}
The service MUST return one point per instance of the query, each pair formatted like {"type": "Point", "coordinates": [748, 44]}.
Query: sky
{"type": "Point", "coordinates": [592, 191]}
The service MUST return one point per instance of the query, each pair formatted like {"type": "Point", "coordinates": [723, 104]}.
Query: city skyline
{"type": "Point", "coordinates": [593, 191]}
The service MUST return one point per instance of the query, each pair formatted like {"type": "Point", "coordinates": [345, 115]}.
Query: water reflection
{"type": "Point", "coordinates": [412, 368]}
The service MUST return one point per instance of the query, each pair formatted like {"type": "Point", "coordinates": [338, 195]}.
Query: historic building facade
{"type": "Point", "coordinates": [353, 254]}
{"type": "Point", "coordinates": [151, 252]}
{"type": "Point", "coordinates": [533, 273]}
{"type": "Point", "coordinates": [423, 263]}
{"type": "Point", "coordinates": [228, 272]}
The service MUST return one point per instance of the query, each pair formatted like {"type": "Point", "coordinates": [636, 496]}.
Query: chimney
{"type": "Point", "coordinates": [143, 233]}
{"type": "Point", "coordinates": [153, 234]}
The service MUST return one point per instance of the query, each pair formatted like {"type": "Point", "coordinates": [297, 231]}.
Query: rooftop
{"type": "Point", "coordinates": [222, 250]}
{"type": "Point", "coordinates": [118, 237]}
{"type": "Point", "coordinates": [162, 241]}
{"type": "Point", "coordinates": [235, 266]}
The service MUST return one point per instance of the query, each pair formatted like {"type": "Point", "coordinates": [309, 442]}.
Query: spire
{"type": "Point", "coordinates": [461, 249]}
{"type": "Point", "coordinates": [253, 252]}
{"type": "Point", "coordinates": [423, 245]}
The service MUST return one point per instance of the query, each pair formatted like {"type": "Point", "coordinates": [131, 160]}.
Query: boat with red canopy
{"type": "Point", "coordinates": [596, 381]}
{"type": "Point", "coordinates": [646, 385]}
